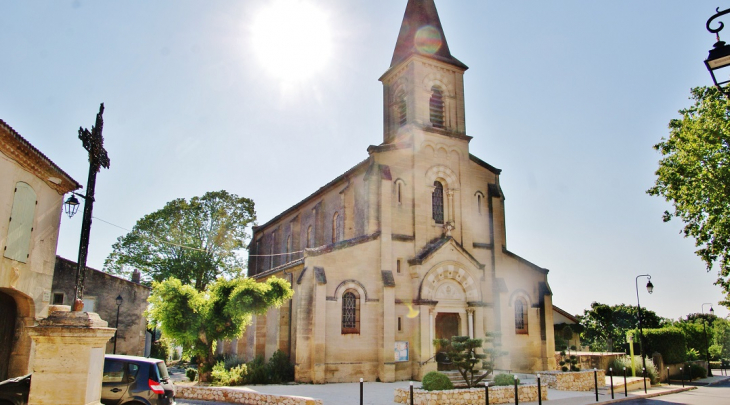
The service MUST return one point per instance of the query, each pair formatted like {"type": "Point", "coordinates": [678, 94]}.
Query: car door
{"type": "Point", "coordinates": [114, 383]}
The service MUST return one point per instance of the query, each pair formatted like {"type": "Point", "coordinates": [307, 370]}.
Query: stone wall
{"type": "Point", "coordinates": [100, 294]}
{"type": "Point", "coordinates": [239, 396]}
{"type": "Point", "coordinates": [589, 360]}
{"type": "Point", "coordinates": [573, 380]}
{"type": "Point", "coordinates": [497, 395]}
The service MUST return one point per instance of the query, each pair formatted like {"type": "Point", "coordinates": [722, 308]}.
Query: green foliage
{"type": "Point", "coordinates": [257, 371]}
{"type": "Point", "coordinates": [669, 341]}
{"type": "Point", "coordinates": [280, 368]}
{"type": "Point", "coordinates": [694, 176]}
{"type": "Point", "coordinates": [435, 381]}
{"type": "Point", "coordinates": [505, 379]}
{"type": "Point", "coordinates": [195, 241]}
{"type": "Point", "coordinates": [721, 336]}
{"type": "Point", "coordinates": [568, 364]}
{"type": "Point", "coordinates": [692, 354]}
{"type": "Point", "coordinates": [694, 371]}
{"type": "Point", "coordinates": [715, 352]}
{"type": "Point", "coordinates": [229, 377]}
{"type": "Point", "coordinates": [191, 373]}
{"type": "Point", "coordinates": [462, 354]}
{"type": "Point", "coordinates": [619, 363]}
{"type": "Point", "coordinates": [196, 320]}
{"type": "Point", "coordinates": [159, 350]}
{"type": "Point", "coordinates": [603, 322]}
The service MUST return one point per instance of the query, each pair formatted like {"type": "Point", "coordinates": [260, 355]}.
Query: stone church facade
{"type": "Point", "coordinates": [407, 246]}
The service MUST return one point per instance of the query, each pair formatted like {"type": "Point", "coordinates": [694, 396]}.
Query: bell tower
{"type": "Point", "coordinates": [424, 86]}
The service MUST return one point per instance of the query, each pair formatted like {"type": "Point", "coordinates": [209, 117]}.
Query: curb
{"type": "Point", "coordinates": [648, 395]}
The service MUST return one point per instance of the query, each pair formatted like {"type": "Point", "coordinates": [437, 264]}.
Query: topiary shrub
{"type": "Point", "coordinates": [435, 381]}
{"type": "Point", "coordinates": [669, 341]}
{"type": "Point", "coordinates": [505, 379]}
{"type": "Point", "coordinates": [191, 373]}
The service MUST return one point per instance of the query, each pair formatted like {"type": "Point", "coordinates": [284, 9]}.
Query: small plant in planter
{"type": "Point", "coordinates": [569, 364]}
{"type": "Point", "coordinates": [435, 381]}
{"type": "Point", "coordinates": [461, 352]}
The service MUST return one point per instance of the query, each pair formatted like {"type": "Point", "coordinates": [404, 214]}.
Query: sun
{"type": "Point", "coordinates": [292, 39]}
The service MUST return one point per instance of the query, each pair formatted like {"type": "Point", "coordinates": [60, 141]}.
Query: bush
{"type": "Point", "coordinates": [505, 379]}
{"type": "Point", "coordinates": [694, 371]}
{"type": "Point", "coordinates": [692, 354]}
{"type": "Point", "coordinates": [670, 342]}
{"type": "Point", "coordinates": [191, 373]}
{"type": "Point", "coordinates": [618, 365]}
{"type": "Point", "coordinates": [159, 350]}
{"type": "Point", "coordinates": [257, 371]}
{"type": "Point", "coordinates": [435, 381]}
{"type": "Point", "coordinates": [280, 368]}
{"type": "Point", "coordinates": [234, 376]}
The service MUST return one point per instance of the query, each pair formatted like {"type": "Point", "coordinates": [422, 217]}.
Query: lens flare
{"type": "Point", "coordinates": [428, 40]}
{"type": "Point", "coordinates": [412, 313]}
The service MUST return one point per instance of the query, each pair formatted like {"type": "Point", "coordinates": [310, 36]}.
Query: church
{"type": "Point", "coordinates": [407, 246]}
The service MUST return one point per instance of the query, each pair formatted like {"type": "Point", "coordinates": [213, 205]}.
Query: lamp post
{"type": "Point", "coordinates": [707, 342]}
{"type": "Point", "coordinates": [650, 289]}
{"type": "Point", "coordinates": [93, 142]}
{"type": "Point", "coordinates": [119, 304]}
{"type": "Point", "coordinates": [719, 56]}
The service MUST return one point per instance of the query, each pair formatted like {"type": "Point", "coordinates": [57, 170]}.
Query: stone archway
{"type": "Point", "coordinates": [8, 316]}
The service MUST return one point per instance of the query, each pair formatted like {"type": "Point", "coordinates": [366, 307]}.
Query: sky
{"type": "Point", "coordinates": [566, 97]}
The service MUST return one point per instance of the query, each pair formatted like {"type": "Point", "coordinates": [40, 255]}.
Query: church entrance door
{"type": "Point", "coordinates": [8, 311]}
{"type": "Point", "coordinates": [447, 326]}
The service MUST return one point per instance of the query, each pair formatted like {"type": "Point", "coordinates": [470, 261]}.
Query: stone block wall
{"type": "Point", "coordinates": [497, 395]}
{"type": "Point", "coordinates": [239, 396]}
{"type": "Point", "coordinates": [573, 381]}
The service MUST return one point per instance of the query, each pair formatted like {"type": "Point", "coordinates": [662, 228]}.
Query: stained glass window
{"type": "Point", "coordinates": [520, 316]}
{"type": "Point", "coordinates": [437, 202]}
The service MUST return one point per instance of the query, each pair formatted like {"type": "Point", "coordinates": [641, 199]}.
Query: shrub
{"type": "Point", "coordinates": [618, 365]}
{"type": "Point", "coordinates": [564, 368]}
{"type": "Point", "coordinates": [191, 373]}
{"type": "Point", "coordinates": [257, 372]}
{"type": "Point", "coordinates": [234, 376]}
{"type": "Point", "coordinates": [715, 352]}
{"type": "Point", "coordinates": [159, 350]}
{"type": "Point", "coordinates": [670, 342]}
{"type": "Point", "coordinates": [280, 368]}
{"type": "Point", "coordinates": [435, 381]}
{"type": "Point", "coordinates": [692, 354]}
{"type": "Point", "coordinates": [505, 379]}
{"type": "Point", "coordinates": [695, 371]}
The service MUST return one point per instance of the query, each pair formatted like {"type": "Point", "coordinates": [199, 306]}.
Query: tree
{"type": "Point", "coordinates": [694, 175]}
{"type": "Point", "coordinates": [461, 352]}
{"type": "Point", "coordinates": [194, 241]}
{"type": "Point", "coordinates": [603, 322]}
{"type": "Point", "coordinates": [195, 319]}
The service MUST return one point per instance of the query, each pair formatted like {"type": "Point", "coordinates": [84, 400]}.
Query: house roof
{"type": "Point", "coordinates": [421, 34]}
{"type": "Point", "coordinates": [565, 314]}
{"type": "Point", "coordinates": [31, 159]}
{"type": "Point", "coordinates": [436, 244]}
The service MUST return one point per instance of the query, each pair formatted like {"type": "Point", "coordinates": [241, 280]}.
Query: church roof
{"type": "Point", "coordinates": [421, 34]}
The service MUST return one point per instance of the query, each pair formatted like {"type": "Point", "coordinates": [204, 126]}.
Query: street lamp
{"type": "Point", "coordinates": [719, 56]}
{"type": "Point", "coordinates": [650, 289]}
{"type": "Point", "coordinates": [93, 142]}
{"type": "Point", "coordinates": [119, 304]}
{"type": "Point", "coordinates": [707, 343]}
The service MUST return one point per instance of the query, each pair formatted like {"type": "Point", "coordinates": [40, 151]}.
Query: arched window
{"type": "Point", "coordinates": [436, 107]}
{"type": "Point", "coordinates": [400, 194]}
{"type": "Point", "coordinates": [402, 109]}
{"type": "Point", "coordinates": [310, 237]}
{"type": "Point", "coordinates": [479, 204]}
{"type": "Point", "coordinates": [437, 202]}
{"type": "Point", "coordinates": [21, 223]}
{"type": "Point", "coordinates": [350, 312]}
{"type": "Point", "coordinates": [520, 316]}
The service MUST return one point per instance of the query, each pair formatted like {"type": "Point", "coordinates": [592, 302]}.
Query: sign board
{"type": "Point", "coordinates": [401, 351]}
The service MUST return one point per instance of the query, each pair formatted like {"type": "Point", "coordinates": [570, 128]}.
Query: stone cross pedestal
{"type": "Point", "coordinates": [69, 358]}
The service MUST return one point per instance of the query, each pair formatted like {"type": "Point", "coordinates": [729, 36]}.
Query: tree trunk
{"type": "Point", "coordinates": [205, 368]}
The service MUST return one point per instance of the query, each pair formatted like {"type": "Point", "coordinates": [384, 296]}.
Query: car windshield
{"type": "Point", "coordinates": [162, 370]}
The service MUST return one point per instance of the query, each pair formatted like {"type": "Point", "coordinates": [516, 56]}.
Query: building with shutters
{"type": "Point", "coordinates": [406, 246]}
{"type": "Point", "coordinates": [31, 200]}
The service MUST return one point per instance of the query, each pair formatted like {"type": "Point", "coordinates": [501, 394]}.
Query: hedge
{"type": "Point", "coordinates": [670, 342]}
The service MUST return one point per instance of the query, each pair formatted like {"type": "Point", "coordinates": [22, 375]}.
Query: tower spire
{"type": "Point", "coordinates": [421, 33]}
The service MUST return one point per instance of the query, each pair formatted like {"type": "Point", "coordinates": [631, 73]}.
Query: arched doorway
{"type": "Point", "coordinates": [447, 326]}
{"type": "Point", "coordinates": [8, 315]}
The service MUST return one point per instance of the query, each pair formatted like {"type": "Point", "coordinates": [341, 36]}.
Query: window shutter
{"type": "Point", "coordinates": [21, 223]}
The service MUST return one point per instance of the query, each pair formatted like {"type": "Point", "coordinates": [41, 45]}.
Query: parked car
{"type": "Point", "coordinates": [15, 391]}
{"type": "Point", "coordinates": [136, 381]}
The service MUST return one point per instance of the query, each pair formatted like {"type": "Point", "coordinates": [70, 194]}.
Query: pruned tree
{"type": "Point", "coordinates": [461, 352]}
{"type": "Point", "coordinates": [195, 319]}
{"type": "Point", "coordinates": [194, 241]}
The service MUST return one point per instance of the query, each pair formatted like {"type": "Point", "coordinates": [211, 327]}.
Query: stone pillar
{"type": "Point", "coordinates": [69, 358]}
{"type": "Point", "coordinates": [470, 318]}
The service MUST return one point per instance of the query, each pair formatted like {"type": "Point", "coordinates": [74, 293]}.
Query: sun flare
{"type": "Point", "coordinates": [292, 39]}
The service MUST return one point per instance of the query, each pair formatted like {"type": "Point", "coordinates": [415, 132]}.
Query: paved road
{"type": "Point", "coordinates": [718, 394]}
